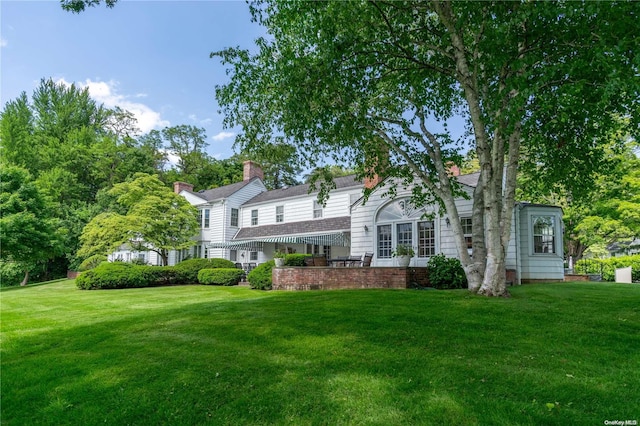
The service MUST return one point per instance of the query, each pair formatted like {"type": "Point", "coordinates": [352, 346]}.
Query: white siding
{"type": "Point", "coordinates": [538, 266]}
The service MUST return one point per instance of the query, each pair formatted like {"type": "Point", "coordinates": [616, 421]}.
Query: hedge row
{"type": "Point", "coordinates": [607, 267]}
{"type": "Point", "coordinates": [111, 275]}
{"type": "Point", "coordinates": [220, 276]}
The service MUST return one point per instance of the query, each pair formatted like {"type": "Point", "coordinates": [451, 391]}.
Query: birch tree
{"type": "Point", "coordinates": [358, 81]}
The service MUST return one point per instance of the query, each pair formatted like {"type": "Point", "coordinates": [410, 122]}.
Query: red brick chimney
{"type": "Point", "coordinates": [452, 169]}
{"type": "Point", "coordinates": [381, 163]}
{"type": "Point", "coordinates": [179, 186]}
{"type": "Point", "coordinates": [251, 170]}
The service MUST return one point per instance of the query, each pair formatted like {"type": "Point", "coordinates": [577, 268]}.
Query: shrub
{"type": "Point", "coordinates": [607, 267]}
{"type": "Point", "coordinates": [220, 276]}
{"type": "Point", "coordinates": [91, 262]}
{"type": "Point", "coordinates": [187, 270]}
{"type": "Point", "coordinates": [446, 273]}
{"type": "Point", "coordinates": [260, 277]}
{"type": "Point", "coordinates": [11, 273]}
{"type": "Point", "coordinates": [295, 259]}
{"type": "Point", "coordinates": [112, 275]}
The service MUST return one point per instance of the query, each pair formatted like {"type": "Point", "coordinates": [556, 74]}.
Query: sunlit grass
{"type": "Point", "coordinates": [551, 354]}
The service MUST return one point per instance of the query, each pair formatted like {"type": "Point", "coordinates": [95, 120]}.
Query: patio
{"type": "Point", "coordinates": [332, 278]}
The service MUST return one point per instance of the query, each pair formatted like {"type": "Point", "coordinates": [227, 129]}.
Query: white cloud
{"type": "Point", "coordinates": [3, 42]}
{"type": "Point", "coordinates": [107, 94]}
{"type": "Point", "coordinates": [222, 136]}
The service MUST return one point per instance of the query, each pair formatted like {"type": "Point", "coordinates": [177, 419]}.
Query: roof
{"type": "Point", "coordinates": [292, 228]}
{"type": "Point", "coordinates": [470, 179]}
{"type": "Point", "coordinates": [300, 190]}
{"type": "Point", "coordinates": [222, 191]}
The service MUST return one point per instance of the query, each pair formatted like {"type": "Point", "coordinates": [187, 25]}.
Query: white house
{"type": "Point", "coordinates": [245, 223]}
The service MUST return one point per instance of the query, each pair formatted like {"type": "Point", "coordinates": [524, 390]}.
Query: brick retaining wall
{"type": "Point", "coordinates": [328, 278]}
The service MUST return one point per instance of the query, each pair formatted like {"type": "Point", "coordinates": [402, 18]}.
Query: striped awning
{"type": "Point", "coordinates": [252, 245]}
{"type": "Point", "coordinates": [333, 239]}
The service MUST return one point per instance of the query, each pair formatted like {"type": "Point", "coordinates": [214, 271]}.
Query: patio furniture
{"type": "Point", "coordinates": [366, 260]}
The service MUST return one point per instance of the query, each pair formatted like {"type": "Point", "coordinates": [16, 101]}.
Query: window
{"type": "Point", "coordinates": [197, 251]}
{"type": "Point", "coordinates": [317, 209]}
{"type": "Point", "coordinates": [234, 217]}
{"type": "Point", "coordinates": [253, 255]}
{"type": "Point", "coordinates": [384, 241]}
{"type": "Point", "coordinates": [426, 239]}
{"type": "Point", "coordinates": [233, 255]}
{"type": "Point", "coordinates": [404, 234]}
{"type": "Point", "coordinates": [254, 217]}
{"type": "Point", "coordinates": [206, 218]}
{"type": "Point", "coordinates": [544, 234]}
{"type": "Point", "coordinates": [467, 230]}
{"type": "Point", "coordinates": [279, 214]}
{"type": "Point", "coordinates": [200, 217]}
{"type": "Point", "coordinates": [327, 251]}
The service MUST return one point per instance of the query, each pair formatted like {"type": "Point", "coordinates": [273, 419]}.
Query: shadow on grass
{"type": "Point", "coordinates": [342, 357]}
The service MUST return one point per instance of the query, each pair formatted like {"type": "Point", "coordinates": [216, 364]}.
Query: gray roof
{"type": "Point", "coordinates": [470, 180]}
{"type": "Point", "coordinates": [222, 191]}
{"type": "Point", "coordinates": [299, 190]}
{"type": "Point", "coordinates": [332, 224]}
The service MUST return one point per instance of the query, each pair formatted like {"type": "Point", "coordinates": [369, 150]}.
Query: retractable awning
{"type": "Point", "coordinates": [239, 245]}
{"type": "Point", "coordinates": [333, 239]}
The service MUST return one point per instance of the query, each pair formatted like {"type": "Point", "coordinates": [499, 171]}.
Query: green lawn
{"type": "Point", "coordinates": [551, 354]}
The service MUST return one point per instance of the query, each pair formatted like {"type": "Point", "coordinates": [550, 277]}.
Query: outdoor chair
{"type": "Point", "coordinates": [366, 260]}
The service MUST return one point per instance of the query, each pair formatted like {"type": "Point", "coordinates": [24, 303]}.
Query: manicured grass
{"type": "Point", "coordinates": [552, 354]}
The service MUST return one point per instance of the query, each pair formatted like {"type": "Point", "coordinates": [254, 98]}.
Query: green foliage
{"type": "Point", "coordinates": [403, 250]}
{"type": "Point", "coordinates": [220, 276]}
{"type": "Point", "coordinates": [295, 259]}
{"type": "Point", "coordinates": [260, 278]}
{"type": "Point", "coordinates": [446, 273]}
{"type": "Point", "coordinates": [28, 233]}
{"type": "Point", "coordinates": [114, 275]}
{"type": "Point", "coordinates": [607, 267]}
{"type": "Point", "coordinates": [91, 262]}
{"type": "Point", "coordinates": [187, 270]}
{"type": "Point", "coordinates": [11, 273]}
{"type": "Point", "coordinates": [156, 219]}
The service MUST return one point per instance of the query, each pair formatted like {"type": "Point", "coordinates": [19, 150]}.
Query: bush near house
{"type": "Point", "coordinates": [295, 259]}
{"type": "Point", "coordinates": [607, 267]}
{"type": "Point", "coordinates": [446, 273]}
{"type": "Point", "coordinates": [187, 270]}
{"type": "Point", "coordinates": [220, 276]}
{"type": "Point", "coordinates": [260, 277]}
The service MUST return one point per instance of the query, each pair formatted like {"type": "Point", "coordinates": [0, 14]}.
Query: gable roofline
{"type": "Point", "coordinates": [342, 182]}
{"type": "Point", "coordinates": [222, 192]}
{"type": "Point", "coordinates": [470, 180]}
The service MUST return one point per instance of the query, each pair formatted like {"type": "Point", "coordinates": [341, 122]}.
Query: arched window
{"type": "Point", "coordinates": [401, 223]}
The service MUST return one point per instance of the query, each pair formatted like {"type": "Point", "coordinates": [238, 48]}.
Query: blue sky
{"type": "Point", "coordinates": [149, 57]}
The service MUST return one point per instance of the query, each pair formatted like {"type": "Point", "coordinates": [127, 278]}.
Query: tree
{"type": "Point", "coordinates": [362, 83]}
{"type": "Point", "coordinates": [28, 233]}
{"type": "Point", "coordinates": [72, 147]}
{"type": "Point", "coordinates": [147, 216]}
{"type": "Point", "coordinates": [608, 214]}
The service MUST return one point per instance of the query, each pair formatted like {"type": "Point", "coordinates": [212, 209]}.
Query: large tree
{"type": "Point", "coordinates": [146, 215]}
{"type": "Point", "coordinates": [608, 214]}
{"type": "Point", "coordinates": [28, 233]}
{"type": "Point", "coordinates": [364, 81]}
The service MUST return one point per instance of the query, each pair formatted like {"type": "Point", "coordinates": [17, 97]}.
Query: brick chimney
{"type": "Point", "coordinates": [381, 163]}
{"type": "Point", "coordinates": [179, 186]}
{"type": "Point", "coordinates": [452, 169]}
{"type": "Point", "coordinates": [251, 170]}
